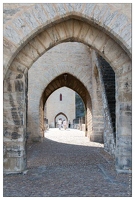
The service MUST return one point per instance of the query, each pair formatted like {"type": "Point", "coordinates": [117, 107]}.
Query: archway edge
{"type": "Point", "coordinates": [60, 113]}
{"type": "Point", "coordinates": [72, 83]}
{"type": "Point", "coordinates": [29, 22]}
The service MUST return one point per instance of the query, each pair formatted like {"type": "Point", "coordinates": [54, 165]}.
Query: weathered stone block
{"type": "Point", "coordinates": [88, 9]}
{"type": "Point", "coordinates": [99, 12]}
{"type": "Point", "coordinates": [14, 133]}
{"type": "Point", "coordinates": [91, 35]}
{"type": "Point", "coordinates": [30, 19]}
{"type": "Point", "coordinates": [125, 85]}
{"type": "Point", "coordinates": [69, 28]}
{"type": "Point", "coordinates": [77, 28]}
{"type": "Point", "coordinates": [61, 9]}
{"type": "Point", "coordinates": [124, 129]}
{"type": "Point", "coordinates": [125, 68]}
{"type": "Point", "coordinates": [14, 154]}
{"type": "Point", "coordinates": [14, 165]}
{"type": "Point", "coordinates": [109, 17]}
{"type": "Point", "coordinates": [15, 146]}
{"type": "Point", "coordinates": [8, 47]}
{"type": "Point", "coordinates": [109, 48]}
{"type": "Point", "coordinates": [50, 10]}
{"type": "Point", "coordinates": [9, 86]}
{"type": "Point", "coordinates": [124, 147]}
{"type": "Point", "coordinates": [14, 118]}
{"type": "Point", "coordinates": [125, 107]}
{"type": "Point", "coordinates": [97, 138]}
{"type": "Point", "coordinates": [123, 163]}
{"type": "Point", "coordinates": [36, 139]}
{"type": "Point", "coordinates": [125, 96]}
{"type": "Point", "coordinates": [84, 31]}
{"type": "Point", "coordinates": [100, 41]}
{"type": "Point", "coordinates": [78, 7]}
{"type": "Point", "coordinates": [120, 60]}
{"type": "Point", "coordinates": [31, 52]}
{"type": "Point", "coordinates": [70, 7]}
{"type": "Point", "coordinates": [61, 31]}
{"type": "Point", "coordinates": [18, 67]}
{"type": "Point", "coordinates": [39, 13]}
{"type": "Point", "coordinates": [11, 34]}
{"type": "Point", "coordinates": [119, 23]}
{"type": "Point", "coordinates": [19, 85]}
{"type": "Point", "coordinates": [12, 75]}
{"type": "Point", "coordinates": [20, 25]}
{"type": "Point", "coordinates": [126, 33]}
{"type": "Point", "coordinates": [53, 34]}
{"type": "Point", "coordinates": [37, 45]}
{"type": "Point", "coordinates": [24, 59]}
{"type": "Point", "coordinates": [14, 100]}
{"type": "Point", "coordinates": [45, 40]}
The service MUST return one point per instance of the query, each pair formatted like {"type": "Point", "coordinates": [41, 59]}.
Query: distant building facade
{"type": "Point", "coordinates": [60, 104]}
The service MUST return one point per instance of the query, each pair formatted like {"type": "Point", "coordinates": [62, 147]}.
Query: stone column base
{"type": "Point", "coordinates": [97, 138]}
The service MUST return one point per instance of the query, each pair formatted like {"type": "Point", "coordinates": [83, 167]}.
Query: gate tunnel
{"type": "Point", "coordinates": [73, 83]}
{"type": "Point", "coordinates": [23, 48]}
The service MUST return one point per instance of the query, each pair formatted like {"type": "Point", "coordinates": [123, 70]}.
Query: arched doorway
{"type": "Point", "coordinates": [21, 49]}
{"type": "Point", "coordinates": [73, 83]}
{"type": "Point", "coordinates": [60, 115]}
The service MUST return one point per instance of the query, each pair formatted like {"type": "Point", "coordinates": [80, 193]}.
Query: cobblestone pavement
{"type": "Point", "coordinates": [66, 164]}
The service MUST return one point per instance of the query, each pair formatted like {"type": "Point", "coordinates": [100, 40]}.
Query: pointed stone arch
{"type": "Point", "coordinates": [90, 24]}
{"type": "Point", "coordinates": [113, 20]}
{"type": "Point", "coordinates": [73, 83]}
{"type": "Point", "coordinates": [60, 113]}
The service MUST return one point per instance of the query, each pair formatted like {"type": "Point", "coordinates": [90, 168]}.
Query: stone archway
{"type": "Point", "coordinates": [102, 29]}
{"type": "Point", "coordinates": [61, 113]}
{"type": "Point", "coordinates": [73, 83]}
{"type": "Point", "coordinates": [113, 19]}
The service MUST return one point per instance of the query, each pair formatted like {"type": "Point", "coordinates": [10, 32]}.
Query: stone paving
{"type": "Point", "coordinates": [66, 164]}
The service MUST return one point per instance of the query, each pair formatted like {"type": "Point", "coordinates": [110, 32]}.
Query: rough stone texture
{"type": "Point", "coordinates": [32, 20]}
{"type": "Point", "coordinates": [108, 77]}
{"type": "Point", "coordinates": [109, 140]}
{"type": "Point", "coordinates": [97, 105]}
{"type": "Point", "coordinates": [116, 50]}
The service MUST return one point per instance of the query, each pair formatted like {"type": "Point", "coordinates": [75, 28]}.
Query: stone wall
{"type": "Point", "coordinates": [97, 104]}
{"type": "Point", "coordinates": [31, 31]}
{"type": "Point", "coordinates": [67, 57]}
{"type": "Point", "coordinates": [105, 119]}
{"type": "Point", "coordinates": [54, 106]}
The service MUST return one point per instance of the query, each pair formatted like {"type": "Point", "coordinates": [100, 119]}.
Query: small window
{"type": "Point", "coordinates": [60, 97]}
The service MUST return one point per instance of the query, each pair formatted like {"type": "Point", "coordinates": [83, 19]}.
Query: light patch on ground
{"type": "Point", "coordinates": [70, 136]}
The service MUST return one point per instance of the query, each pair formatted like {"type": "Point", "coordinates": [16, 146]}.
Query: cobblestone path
{"type": "Point", "coordinates": [66, 164]}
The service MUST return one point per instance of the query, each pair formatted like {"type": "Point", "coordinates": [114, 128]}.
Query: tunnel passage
{"type": "Point", "coordinates": [73, 83]}
{"type": "Point", "coordinates": [107, 32]}
{"type": "Point", "coordinates": [65, 80]}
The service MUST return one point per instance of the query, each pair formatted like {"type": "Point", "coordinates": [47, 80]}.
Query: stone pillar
{"type": "Point", "coordinates": [89, 118]}
{"type": "Point", "coordinates": [109, 141]}
{"type": "Point", "coordinates": [35, 118]}
{"type": "Point", "coordinates": [102, 125]}
{"type": "Point", "coordinates": [42, 123]}
{"type": "Point", "coordinates": [97, 105]}
{"type": "Point", "coordinates": [14, 124]}
{"type": "Point", "coordinates": [85, 124]}
{"type": "Point", "coordinates": [123, 123]}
